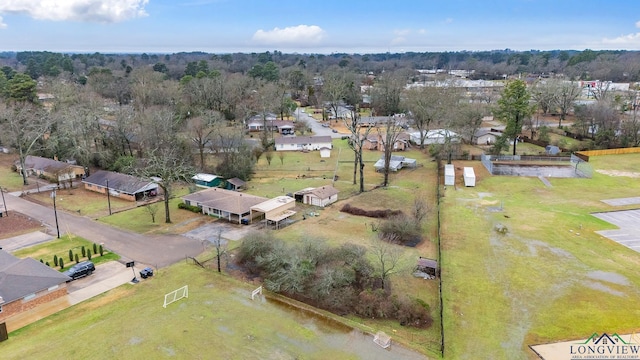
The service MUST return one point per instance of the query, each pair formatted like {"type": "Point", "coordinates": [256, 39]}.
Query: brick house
{"type": "Point", "coordinates": [54, 170]}
{"type": "Point", "coordinates": [26, 284]}
{"type": "Point", "coordinates": [123, 186]}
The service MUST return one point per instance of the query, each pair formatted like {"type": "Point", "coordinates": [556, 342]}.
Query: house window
{"type": "Point", "coordinates": [0, 308]}
{"type": "Point", "coordinates": [29, 297]}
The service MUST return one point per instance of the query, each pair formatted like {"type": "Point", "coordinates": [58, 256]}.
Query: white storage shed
{"type": "Point", "coordinates": [449, 175]}
{"type": "Point", "coordinates": [469, 177]}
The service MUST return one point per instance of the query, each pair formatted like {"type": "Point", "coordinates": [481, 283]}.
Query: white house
{"type": "Point", "coordinates": [321, 196]}
{"type": "Point", "coordinates": [486, 136]}
{"type": "Point", "coordinates": [298, 143]}
{"type": "Point", "coordinates": [437, 136]}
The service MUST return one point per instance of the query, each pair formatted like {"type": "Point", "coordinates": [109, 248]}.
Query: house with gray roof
{"type": "Point", "coordinates": [26, 284]}
{"type": "Point", "coordinates": [54, 170]}
{"type": "Point", "coordinates": [123, 186]}
{"type": "Point", "coordinates": [299, 143]}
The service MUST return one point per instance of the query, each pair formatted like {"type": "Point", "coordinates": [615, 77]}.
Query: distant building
{"type": "Point", "coordinates": [298, 143]}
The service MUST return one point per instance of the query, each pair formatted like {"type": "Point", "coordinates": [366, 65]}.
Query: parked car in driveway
{"type": "Point", "coordinates": [80, 269]}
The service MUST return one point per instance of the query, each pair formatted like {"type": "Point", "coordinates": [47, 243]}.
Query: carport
{"type": "Point", "coordinates": [274, 211]}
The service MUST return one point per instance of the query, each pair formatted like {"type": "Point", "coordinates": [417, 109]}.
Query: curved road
{"type": "Point", "coordinates": [156, 250]}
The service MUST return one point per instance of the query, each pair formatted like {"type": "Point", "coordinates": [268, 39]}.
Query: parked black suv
{"type": "Point", "coordinates": [80, 269]}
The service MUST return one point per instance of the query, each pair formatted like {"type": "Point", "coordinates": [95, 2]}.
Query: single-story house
{"type": "Point", "coordinates": [235, 184]}
{"type": "Point", "coordinates": [26, 284]}
{"type": "Point", "coordinates": [437, 136]}
{"type": "Point", "coordinates": [486, 136]}
{"type": "Point", "coordinates": [293, 143]}
{"type": "Point", "coordinates": [274, 211]}
{"type": "Point", "coordinates": [376, 142]}
{"type": "Point", "coordinates": [207, 180]}
{"type": "Point", "coordinates": [225, 204]}
{"type": "Point", "coordinates": [123, 186]}
{"type": "Point", "coordinates": [271, 122]}
{"type": "Point", "coordinates": [59, 171]}
{"type": "Point", "coordinates": [321, 196]}
{"type": "Point", "coordinates": [396, 163]}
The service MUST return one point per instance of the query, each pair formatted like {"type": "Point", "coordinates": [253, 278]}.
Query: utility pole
{"type": "Point", "coordinates": [108, 197]}
{"type": "Point", "coordinates": [6, 211]}
{"type": "Point", "coordinates": [55, 211]}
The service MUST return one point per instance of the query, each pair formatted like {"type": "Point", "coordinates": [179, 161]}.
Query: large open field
{"type": "Point", "coordinates": [218, 320]}
{"type": "Point", "coordinates": [550, 277]}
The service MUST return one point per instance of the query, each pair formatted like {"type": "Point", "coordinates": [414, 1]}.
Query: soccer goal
{"type": "Point", "coordinates": [382, 339]}
{"type": "Point", "coordinates": [176, 295]}
{"type": "Point", "coordinates": [256, 292]}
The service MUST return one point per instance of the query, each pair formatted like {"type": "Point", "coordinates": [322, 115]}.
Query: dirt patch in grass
{"type": "Point", "coordinates": [619, 173]}
{"type": "Point", "coordinates": [17, 224]}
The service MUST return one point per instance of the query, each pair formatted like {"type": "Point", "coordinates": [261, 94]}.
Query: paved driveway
{"type": "Point", "coordinates": [155, 250]}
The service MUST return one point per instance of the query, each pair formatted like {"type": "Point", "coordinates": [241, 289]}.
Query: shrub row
{"type": "Point", "coordinates": [192, 208]}
{"type": "Point", "coordinates": [378, 214]}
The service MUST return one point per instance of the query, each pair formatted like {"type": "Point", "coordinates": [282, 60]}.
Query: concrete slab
{"type": "Point", "coordinates": [623, 201]}
{"type": "Point", "coordinates": [628, 222]}
{"type": "Point", "coordinates": [23, 241]}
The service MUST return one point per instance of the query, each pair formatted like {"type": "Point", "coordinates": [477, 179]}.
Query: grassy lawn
{"type": "Point", "coordinates": [82, 201]}
{"type": "Point", "coordinates": [139, 219]}
{"type": "Point", "coordinates": [539, 282]}
{"type": "Point", "coordinates": [61, 247]}
{"type": "Point", "coordinates": [217, 321]}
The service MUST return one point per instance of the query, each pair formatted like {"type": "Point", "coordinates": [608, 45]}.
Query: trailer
{"type": "Point", "coordinates": [469, 177]}
{"type": "Point", "coordinates": [449, 175]}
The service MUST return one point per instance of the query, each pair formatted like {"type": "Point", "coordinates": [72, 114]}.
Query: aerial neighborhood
{"type": "Point", "coordinates": [450, 205]}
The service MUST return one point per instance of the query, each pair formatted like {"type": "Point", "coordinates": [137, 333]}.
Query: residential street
{"type": "Point", "coordinates": [316, 126]}
{"type": "Point", "coordinates": [157, 250]}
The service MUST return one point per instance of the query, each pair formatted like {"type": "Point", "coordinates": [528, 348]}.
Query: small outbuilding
{"type": "Point", "coordinates": [321, 196]}
{"type": "Point", "coordinates": [469, 176]}
{"type": "Point", "coordinates": [325, 152]}
{"type": "Point", "coordinates": [206, 180]}
{"type": "Point", "coordinates": [426, 268]}
{"type": "Point", "coordinates": [449, 175]}
{"type": "Point", "coordinates": [235, 184]}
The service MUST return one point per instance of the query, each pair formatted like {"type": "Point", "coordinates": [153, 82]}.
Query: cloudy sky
{"type": "Point", "coordinates": [320, 26]}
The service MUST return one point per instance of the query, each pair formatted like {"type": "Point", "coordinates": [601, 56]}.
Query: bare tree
{"type": "Point", "coordinates": [389, 137]}
{"type": "Point", "coordinates": [387, 255]}
{"type": "Point", "coordinates": [23, 126]}
{"type": "Point", "coordinates": [201, 129]}
{"type": "Point", "coordinates": [152, 209]}
{"type": "Point", "coordinates": [334, 89]}
{"type": "Point", "coordinates": [281, 157]}
{"type": "Point", "coordinates": [221, 248]}
{"type": "Point", "coordinates": [428, 105]}
{"type": "Point", "coordinates": [567, 93]}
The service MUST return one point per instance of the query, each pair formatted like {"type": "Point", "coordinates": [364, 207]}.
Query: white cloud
{"type": "Point", "coordinates": [402, 32]}
{"type": "Point", "coordinates": [624, 41]}
{"type": "Point", "coordinates": [2, 24]}
{"type": "Point", "coordinates": [638, 24]}
{"type": "Point", "coordinates": [104, 11]}
{"type": "Point", "coordinates": [448, 20]}
{"type": "Point", "coordinates": [301, 34]}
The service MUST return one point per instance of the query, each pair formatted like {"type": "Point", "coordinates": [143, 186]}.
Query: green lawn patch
{"type": "Point", "coordinates": [60, 248]}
